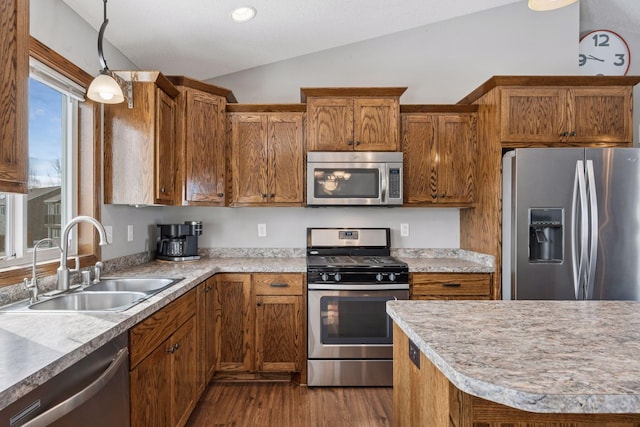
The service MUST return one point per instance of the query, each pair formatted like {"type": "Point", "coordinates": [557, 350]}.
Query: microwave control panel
{"type": "Point", "coordinates": [394, 183]}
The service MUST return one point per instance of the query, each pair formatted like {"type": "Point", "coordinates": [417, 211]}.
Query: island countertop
{"type": "Point", "coordinates": [580, 357]}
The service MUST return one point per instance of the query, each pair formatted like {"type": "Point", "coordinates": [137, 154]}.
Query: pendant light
{"type": "Point", "coordinates": [104, 88]}
{"type": "Point", "coordinates": [542, 5]}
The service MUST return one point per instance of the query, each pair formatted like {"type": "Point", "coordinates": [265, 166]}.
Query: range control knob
{"type": "Point", "coordinates": [324, 277]}
{"type": "Point", "coordinates": [392, 277]}
{"type": "Point", "coordinates": [379, 277]}
{"type": "Point", "coordinates": [337, 277]}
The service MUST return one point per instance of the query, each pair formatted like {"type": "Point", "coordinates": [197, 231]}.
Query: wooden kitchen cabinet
{"type": "Point", "coordinates": [439, 157]}
{"type": "Point", "coordinates": [561, 115]}
{"type": "Point", "coordinates": [347, 119]}
{"type": "Point", "coordinates": [450, 286]}
{"type": "Point", "coordinates": [280, 331]}
{"type": "Point", "coordinates": [234, 322]}
{"type": "Point", "coordinates": [14, 96]}
{"type": "Point", "coordinates": [266, 158]}
{"type": "Point", "coordinates": [163, 363]}
{"type": "Point", "coordinates": [140, 156]}
{"type": "Point", "coordinates": [201, 142]}
{"type": "Point", "coordinates": [260, 323]}
{"type": "Point", "coordinates": [206, 333]}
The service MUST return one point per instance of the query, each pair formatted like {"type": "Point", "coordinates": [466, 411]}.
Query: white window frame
{"type": "Point", "coordinates": [17, 249]}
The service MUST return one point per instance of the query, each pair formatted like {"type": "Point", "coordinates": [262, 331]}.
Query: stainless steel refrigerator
{"type": "Point", "coordinates": [571, 224]}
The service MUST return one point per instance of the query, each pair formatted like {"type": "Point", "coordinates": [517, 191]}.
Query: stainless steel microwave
{"type": "Point", "coordinates": [354, 178]}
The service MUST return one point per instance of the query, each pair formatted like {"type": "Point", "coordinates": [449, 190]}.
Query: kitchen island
{"type": "Point", "coordinates": [516, 363]}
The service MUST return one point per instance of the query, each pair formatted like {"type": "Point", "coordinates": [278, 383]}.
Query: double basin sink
{"type": "Point", "coordinates": [110, 294]}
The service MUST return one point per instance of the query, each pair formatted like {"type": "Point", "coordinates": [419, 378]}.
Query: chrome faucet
{"type": "Point", "coordinates": [63, 270]}
{"type": "Point", "coordinates": [33, 286]}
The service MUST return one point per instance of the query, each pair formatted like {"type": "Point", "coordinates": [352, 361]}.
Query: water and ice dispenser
{"type": "Point", "coordinates": [545, 235]}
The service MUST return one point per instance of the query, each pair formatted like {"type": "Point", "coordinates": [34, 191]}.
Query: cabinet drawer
{"type": "Point", "coordinates": [451, 284]}
{"type": "Point", "coordinates": [278, 284]}
{"type": "Point", "coordinates": [151, 332]}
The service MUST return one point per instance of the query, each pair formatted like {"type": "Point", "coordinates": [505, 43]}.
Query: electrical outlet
{"type": "Point", "coordinates": [404, 230]}
{"type": "Point", "coordinates": [262, 230]}
{"type": "Point", "coordinates": [108, 230]}
{"type": "Point", "coordinates": [129, 233]}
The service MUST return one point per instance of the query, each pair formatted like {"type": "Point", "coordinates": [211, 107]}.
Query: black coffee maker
{"type": "Point", "coordinates": [178, 242]}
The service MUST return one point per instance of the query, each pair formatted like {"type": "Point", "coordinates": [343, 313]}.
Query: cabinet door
{"type": "Point", "coordinates": [601, 114]}
{"type": "Point", "coordinates": [183, 372]}
{"type": "Point", "coordinates": [456, 158]}
{"type": "Point", "coordinates": [234, 322]}
{"type": "Point", "coordinates": [278, 333]}
{"type": "Point", "coordinates": [249, 158]}
{"type": "Point", "coordinates": [204, 148]}
{"type": "Point", "coordinates": [150, 388]}
{"type": "Point", "coordinates": [206, 333]}
{"type": "Point", "coordinates": [330, 124]}
{"type": "Point", "coordinates": [376, 124]}
{"type": "Point", "coordinates": [420, 165]}
{"type": "Point", "coordinates": [285, 158]}
{"type": "Point", "coordinates": [165, 153]}
{"type": "Point", "coordinates": [14, 95]}
{"type": "Point", "coordinates": [532, 115]}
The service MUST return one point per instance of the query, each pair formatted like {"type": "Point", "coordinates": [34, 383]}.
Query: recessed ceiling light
{"type": "Point", "coordinates": [243, 14]}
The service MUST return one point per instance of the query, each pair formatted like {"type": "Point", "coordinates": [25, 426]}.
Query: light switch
{"type": "Point", "coordinates": [262, 230]}
{"type": "Point", "coordinates": [404, 230]}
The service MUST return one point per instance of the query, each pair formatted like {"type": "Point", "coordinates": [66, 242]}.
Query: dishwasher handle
{"type": "Point", "coordinates": [73, 402]}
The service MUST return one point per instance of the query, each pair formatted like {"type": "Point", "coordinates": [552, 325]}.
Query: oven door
{"type": "Point", "coordinates": [346, 184]}
{"type": "Point", "coordinates": [351, 324]}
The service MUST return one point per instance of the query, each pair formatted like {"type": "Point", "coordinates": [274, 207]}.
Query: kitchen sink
{"type": "Point", "coordinates": [146, 285]}
{"type": "Point", "coordinates": [90, 301]}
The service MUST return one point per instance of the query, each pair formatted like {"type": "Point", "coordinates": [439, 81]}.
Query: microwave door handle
{"type": "Point", "coordinates": [383, 185]}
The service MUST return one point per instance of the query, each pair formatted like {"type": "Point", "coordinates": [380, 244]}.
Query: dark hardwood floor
{"type": "Point", "coordinates": [291, 405]}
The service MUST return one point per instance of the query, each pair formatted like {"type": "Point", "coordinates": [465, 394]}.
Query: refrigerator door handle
{"type": "Point", "coordinates": [578, 248]}
{"type": "Point", "coordinates": [593, 232]}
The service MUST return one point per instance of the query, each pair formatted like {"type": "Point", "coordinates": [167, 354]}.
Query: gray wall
{"type": "Point", "coordinates": [439, 63]}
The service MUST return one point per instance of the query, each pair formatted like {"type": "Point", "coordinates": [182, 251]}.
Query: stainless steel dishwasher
{"type": "Point", "coordinates": [93, 391]}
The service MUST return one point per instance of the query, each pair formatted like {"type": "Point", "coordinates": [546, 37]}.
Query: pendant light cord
{"type": "Point", "coordinates": [103, 62]}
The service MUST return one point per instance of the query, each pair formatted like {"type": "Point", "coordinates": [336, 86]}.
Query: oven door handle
{"type": "Point", "coordinates": [347, 287]}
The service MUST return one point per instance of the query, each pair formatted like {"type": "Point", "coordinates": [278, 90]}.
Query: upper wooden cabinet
{"type": "Point", "coordinates": [200, 138]}
{"type": "Point", "coordinates": [567, 114]}
{"type": "Point", "coordinates": [140, 155]}
{"type": "Point", "coordinates": [14, 95]}
{"type": "Point", "coordinates": [346, 119]}
{"type": "Point", "coordinates": [439, 155]}
{"type": "Point", "coordinates": [266, 158]}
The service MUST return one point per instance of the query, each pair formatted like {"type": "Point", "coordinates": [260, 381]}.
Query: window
{"type": "Point", "coordinates": [26, 219]}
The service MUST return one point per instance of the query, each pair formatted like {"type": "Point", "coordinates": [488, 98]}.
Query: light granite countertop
{"type": "Point", "coordinates": [537, 356]}
{"type": "Point", "coordinates": [39, 345]}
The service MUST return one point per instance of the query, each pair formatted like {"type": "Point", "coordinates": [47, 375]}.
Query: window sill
{"type": "Point", "coordinates": [14, 275]}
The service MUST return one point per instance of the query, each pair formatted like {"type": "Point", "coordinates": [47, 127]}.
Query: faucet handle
{"type": "Point", "coordinates": [97, 269]}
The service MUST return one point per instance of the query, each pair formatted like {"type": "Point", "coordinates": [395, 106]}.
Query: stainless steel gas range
{"type": "Point", "coordinates": [350, 277]}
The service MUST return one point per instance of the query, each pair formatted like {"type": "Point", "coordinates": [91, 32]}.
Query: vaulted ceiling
{"type": "Point", "coordinates": [198, 38]}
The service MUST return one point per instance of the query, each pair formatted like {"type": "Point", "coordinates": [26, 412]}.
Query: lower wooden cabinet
{"type": "Point", "coordinates": [163, 361]}
{"type": "Point", "coordinates": [206, 333]}
{"type": "Point", "coordinates": [427, 286]}
{"type": "Point", "coordinates": [260, 322]}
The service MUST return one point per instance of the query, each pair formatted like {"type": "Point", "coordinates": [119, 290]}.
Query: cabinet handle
{"type": "Point", "coordinates": [263, 195]}
{"type": "Point", "coordinates": [259, 304]}
{"type": "Point", "coordinates": [357, 142]}
{"type": "Point", "coordinates": [220, 194]}
{"type": "Point", "coordinates": [451, 285]}
{"type": "Point", "coordinates": [176, 346]}
{"type": "Point", "coordinates": [162, 190]}
{"type": "Point", "coordinates": [573, 133]}
{"type": "Point", "coordinates": [207, 289]}
{"type": "Point", "coordinates": [272, 195]}
{"type": "Point", "coordinates": [442, 195]}
{"type": "Point", "coordinates": [564, 134]}
{"type": "Point", "coordinates": [279, 285]}
{"type": "Point", "coordinates": [349, 142]}
{"type": "Point", "coordinates": [171, 349]}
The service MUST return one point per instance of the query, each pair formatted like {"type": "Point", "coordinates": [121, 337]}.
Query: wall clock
{"type": "Point", "coordinates": [603, 53]}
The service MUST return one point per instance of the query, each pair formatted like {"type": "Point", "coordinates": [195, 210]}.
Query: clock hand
{"type": "Point", "coordinates": [593, 57]}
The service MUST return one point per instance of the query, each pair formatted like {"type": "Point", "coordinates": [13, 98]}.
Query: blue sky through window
{"type": "Point", "coordinates": [45, 134]}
